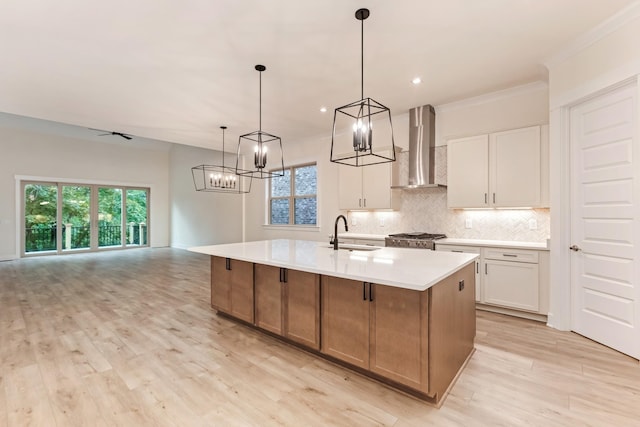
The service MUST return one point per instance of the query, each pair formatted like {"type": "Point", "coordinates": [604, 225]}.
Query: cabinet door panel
{"type": "Point", "coordinates": [376, 186]}
{"type": "Point", "coordinates": [515, 174]}
{"type": "Point", "coordinates": [468, 172]}
{"type": "Point", "coordinates": [399, 335]}
{"type": "Point", "coordinates": [268, 298]}
{"type": "Point", "coordinates": [220, 285]}
{"type": "Point", "coordinates": [511, 284]}
{"type": "Point", "coordinates": [242, 290]}
{"type": "Point", "coordinates": [302, 308]}
{"type": "Point", "coordinates": [345, 321]}
{"type": "Point", "coordinates": [349, 187]}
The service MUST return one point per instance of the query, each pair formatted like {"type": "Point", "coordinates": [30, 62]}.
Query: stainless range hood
{"type": "Point", "coordinates": [423, 169]}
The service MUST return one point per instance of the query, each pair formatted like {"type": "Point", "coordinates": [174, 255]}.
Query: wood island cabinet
{"type": "Point", "coordinates": [287, 303]}
{"type": "Point", "coordinates": [232, 287]}
{"type": "Point", "coordinates": [414, 340]}
{"type": "Point", "coordinates": [389, 331]}
{"type": "Point", "coordinates": [345, 320]}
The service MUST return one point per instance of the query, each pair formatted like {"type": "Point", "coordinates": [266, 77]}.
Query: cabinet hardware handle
{"type": "Point", "coordinates": [365, 202]}
{"type": "Point", "coordinates": [227, 263]}
{"type": "Point", "coordinates": [280, 275]}
{"type": "Point", "coordinates": [285, 275]}
{"type": "Point", "coordinates": [485, 198]}
{"type": "Point", "coordinates": [460, 285]}
{"type": "Point", "coordinates": [359, 203]}
{"type": "Point", "coordinates": [575, 248]}
{"type": "Point", "coordinates": [371, 292]}
{"type": "Point", "coordinates": [511, 255]}
{"type": "Point", "coordinates": [477, 267]}
{"type": "Point", "coordinates": [485, 269]}
{"type": "Point", "coordinates": [364, 291]}
{"type": "Point", "coordinates": [453, 250]}
{"type": "Point", "coordinates": [494, 197]}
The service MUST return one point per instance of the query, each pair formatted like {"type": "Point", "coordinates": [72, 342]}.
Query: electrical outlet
{"type": "Point", "coordinates": [468, 223]}
{"type": "Point", "coordinates": [533, 224]}
{"type": "Point", "coordinates": [353, 220]}
{"type": "Point", "coordinates": [381, 222]}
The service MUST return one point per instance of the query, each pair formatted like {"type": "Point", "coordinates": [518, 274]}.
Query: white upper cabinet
{"type": "Point", "coordinates": [514, 167]}
{"type": "Point", "coordinates": [366, 187]}
{"type": "Point", "coordinates": [502, 169]}
{"type": "Point", "coordinates": [468, 172]}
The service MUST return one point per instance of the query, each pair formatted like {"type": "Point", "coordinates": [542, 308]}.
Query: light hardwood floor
{"type": "Point", "coordinates": [128, 338]}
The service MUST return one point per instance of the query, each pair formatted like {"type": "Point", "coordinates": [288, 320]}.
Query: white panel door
{"type": "Point", "coordinates": [605, 203]}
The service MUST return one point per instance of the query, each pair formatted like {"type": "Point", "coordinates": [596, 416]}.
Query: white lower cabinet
{"type": "Point", "coordinates": [511, 284]}
{"type": "Point", "coordinates": [512, 279]}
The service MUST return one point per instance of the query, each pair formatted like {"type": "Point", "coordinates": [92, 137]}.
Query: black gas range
{"type": "Point", "coordinates": [416, 240]}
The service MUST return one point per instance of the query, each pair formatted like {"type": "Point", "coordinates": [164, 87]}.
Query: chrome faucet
{"type": "Point", "coordinates": [335, 231]}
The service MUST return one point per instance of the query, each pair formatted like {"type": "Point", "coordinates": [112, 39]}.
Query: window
{"type": "Point", "coordinates": [67, 217]}
{"type": "Point", "coordinates": [292, 197]}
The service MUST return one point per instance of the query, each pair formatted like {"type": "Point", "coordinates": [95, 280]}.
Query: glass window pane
{"type": "Point", "coordinates": [40, 217]}
{"type": "Point", "coordinates": [281, 185]}
{"type": "Point", "coordinates": [109, 217]}
{"type": "Point", "coordinates": [305, 210]}
{"type": "Point", "coordinates": [76, 221]}
{"type": "Point", "coordinates": [305, 180]}
{"type": "Point", "coordinates": [280, 211]}
{"type": "Point", "coordinates": [136, 218]}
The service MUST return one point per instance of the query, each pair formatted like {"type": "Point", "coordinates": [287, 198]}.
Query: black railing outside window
{"type": "Point", "coordinates": [38, 239]}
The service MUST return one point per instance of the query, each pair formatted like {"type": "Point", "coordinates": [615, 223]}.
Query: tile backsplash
{"type": "Point", "coordinates": [426, 210]}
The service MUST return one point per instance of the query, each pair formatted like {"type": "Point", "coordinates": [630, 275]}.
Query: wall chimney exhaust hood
{"type": "Point", "coordinates": [426, 163]}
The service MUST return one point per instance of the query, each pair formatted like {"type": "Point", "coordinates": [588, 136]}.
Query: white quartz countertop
{"type": "Point", "coordinates": [404, 268]}
{"type": "Point", "coordinates": [493, 243]}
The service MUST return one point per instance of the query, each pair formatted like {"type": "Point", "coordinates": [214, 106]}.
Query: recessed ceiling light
{"type": "Point", "coordinates": [416, 80]}
{"type": "Point", "coordinates": [323, 109]}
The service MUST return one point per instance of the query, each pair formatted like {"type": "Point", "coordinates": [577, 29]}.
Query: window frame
{"type": "Point", "coordinates": [292, 196]}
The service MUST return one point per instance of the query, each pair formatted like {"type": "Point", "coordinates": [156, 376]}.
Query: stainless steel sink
{"type": "Point", "coordinates": [356, 247]}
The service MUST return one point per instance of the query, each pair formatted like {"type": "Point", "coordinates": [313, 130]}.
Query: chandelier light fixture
{"type": "Point", "coordinates": [261, 144]}
{"type": "Point", "coordinates": [219, 178]}
{"type": "Point", "coordinates": [352, 141]}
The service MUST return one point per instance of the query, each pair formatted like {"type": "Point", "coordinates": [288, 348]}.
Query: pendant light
{"type": "Point", "coordinates": [219, 178]}
{"type": "Point", "coordinates": [352, 140]}
{"type": "Point", "coordinates": [261, 144]}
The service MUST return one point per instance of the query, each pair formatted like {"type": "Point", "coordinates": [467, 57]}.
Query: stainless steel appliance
{"type": "Point", "coordinates": [416, 240]}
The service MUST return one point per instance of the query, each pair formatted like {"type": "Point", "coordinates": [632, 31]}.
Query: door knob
{"type": "Point", "coordinates": [575, 248]}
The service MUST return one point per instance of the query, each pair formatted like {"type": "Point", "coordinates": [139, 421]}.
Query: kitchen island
{"type": "Point", "coordinates": [405, 317]}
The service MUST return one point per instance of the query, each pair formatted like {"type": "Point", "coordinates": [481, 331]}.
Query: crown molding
{"type": "Point", "coordinates": [594, 35]}
{"type": "Point", "coordinates": [493, 96]}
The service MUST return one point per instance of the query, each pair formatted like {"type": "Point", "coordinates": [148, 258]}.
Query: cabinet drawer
{"type": "Point", "coordinates": [454, 248]}
{"type": "Point", "coordinates": [517, 255]}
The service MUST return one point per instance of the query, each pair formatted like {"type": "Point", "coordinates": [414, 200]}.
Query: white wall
{"type": "Point", "coordinates": [518, 107]}
{"type": "Point", "coordinates": [36, 153]}
{"type": "Point", "coordinates": [201, 218]}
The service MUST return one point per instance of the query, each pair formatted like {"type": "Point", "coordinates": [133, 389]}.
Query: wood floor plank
{"type": "Point", "coordinates": [129, 339]}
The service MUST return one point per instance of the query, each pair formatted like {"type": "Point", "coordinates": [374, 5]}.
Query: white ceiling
{"type": "Point", "coordinates": [176, 70]}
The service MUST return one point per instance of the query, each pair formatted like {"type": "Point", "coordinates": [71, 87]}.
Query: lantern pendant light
{"type": "Point", "coordinates": [260, 144]}
{"type": "Point", "coordinates": [352, 141]}
{"type": "Point", "coordinates": [219, 178]}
